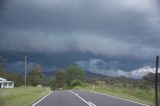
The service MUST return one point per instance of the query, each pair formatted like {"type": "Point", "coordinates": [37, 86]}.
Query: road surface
{"type": "Point", "coordinates": [83, 98]}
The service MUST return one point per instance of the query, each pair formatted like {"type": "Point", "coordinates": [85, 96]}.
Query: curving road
{"type": "Point", "coordinates": [83, 98]}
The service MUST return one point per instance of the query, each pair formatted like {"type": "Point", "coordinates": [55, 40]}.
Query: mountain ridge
{"type": "Point", "coordinates": [87, 73]}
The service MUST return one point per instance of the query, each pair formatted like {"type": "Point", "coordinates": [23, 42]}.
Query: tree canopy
{"type": "Point", "coordinates": [35, 76]}
{"type": "Point", "coordinates": [60, 79]}
{"type": "Point", "coordinates": [74, 72]}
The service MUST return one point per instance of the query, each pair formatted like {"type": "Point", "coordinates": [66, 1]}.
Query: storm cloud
{"type": "Point", "coordinates": [106, 28]}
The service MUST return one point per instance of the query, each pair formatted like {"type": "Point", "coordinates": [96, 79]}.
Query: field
{"type": "Point", "coordinates": [135, 94]}
{"type": "Point", "coordinates": [21, 96]}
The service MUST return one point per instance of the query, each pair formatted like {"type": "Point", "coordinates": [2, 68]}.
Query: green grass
{"type": "Point", "coordinates": [135, 94]}
{"type": "Point", "coordinates": [21, 96]}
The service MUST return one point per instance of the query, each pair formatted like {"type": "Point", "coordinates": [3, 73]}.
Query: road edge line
{"type": "Point", "coordinates": [41, 99]}
{"type": "Point", "coordinates": [120, 98]}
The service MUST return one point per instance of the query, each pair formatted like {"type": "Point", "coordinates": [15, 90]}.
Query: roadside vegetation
{"type": "Point", "coordinates": [135, 94]}
{"type": "Point", "coordinates": [21, 96]}
{"type": "Point", "coordinates": [141, 90]}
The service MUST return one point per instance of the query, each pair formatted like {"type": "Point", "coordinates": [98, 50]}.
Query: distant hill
{"type": "Point", "coordinates": [94, 75]}
{"type": "Point", "coordinates": [87, 73]}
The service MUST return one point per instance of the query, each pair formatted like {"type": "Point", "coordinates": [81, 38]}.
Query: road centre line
{"type": "Point", "coordinates": [91, 103]}
{"type": "Point", "coordinates": [88, 103]}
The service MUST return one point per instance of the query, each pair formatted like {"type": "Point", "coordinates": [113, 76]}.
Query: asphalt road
{"type": "Point", "coordinates": [83, 98]}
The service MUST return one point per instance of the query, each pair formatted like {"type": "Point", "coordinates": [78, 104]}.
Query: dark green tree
{"type": "Point", "coordinates": [60, 79]}
{"type": "Point", "coordinates": [76, 83]}
{"type": "Point", "coordinates": [149, 79]}
{"type": "Point", "coordinates": [74, 72]}
{"type": "Point", "coordinates": [35, 76]}
{"type": "Point", "coordinates": [17, 78]}
{"type": "Point", "coordinates": [52, 84]}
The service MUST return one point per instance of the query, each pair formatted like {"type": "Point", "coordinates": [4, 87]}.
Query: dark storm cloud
{"type": "Point", "coordinates": [134, 22]}
{"type": "Point", "coordinates": [62, 26]}
{"type": "Point", "coordinates": [78, 15]}
{"type": "Point", "coordinates": [120, 30]}
{"type": "Point", "coordinates": [2, 4]}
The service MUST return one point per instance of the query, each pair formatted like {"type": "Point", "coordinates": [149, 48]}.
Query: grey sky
{"type": "Point", "coordinates": [108, 28]}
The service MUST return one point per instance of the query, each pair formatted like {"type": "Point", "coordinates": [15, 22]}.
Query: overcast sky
{"type": "Point", "coordinates": [117, 37]}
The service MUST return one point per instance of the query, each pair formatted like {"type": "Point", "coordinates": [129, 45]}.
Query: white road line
{"type": "Point", "coordinates": [41, 99]}
{"type": "Point", "coordinates": [120, 98]}
{"type": "Point", "coordinates": [82, 99]}
{"type": "Point", "coordinates": [91, 103]}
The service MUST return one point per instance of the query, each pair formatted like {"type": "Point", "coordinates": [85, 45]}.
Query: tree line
{"type": "Point", "coordinates": [73, 76]}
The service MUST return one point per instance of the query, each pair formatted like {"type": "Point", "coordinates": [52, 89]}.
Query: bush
{"type": "Point", "coordinates": [52, 85]}
{"type": "Point", "coordinates": [76, 83]}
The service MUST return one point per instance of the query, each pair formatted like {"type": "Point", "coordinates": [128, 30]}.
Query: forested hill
{"type": "Point", "coordinates": [87, 73]}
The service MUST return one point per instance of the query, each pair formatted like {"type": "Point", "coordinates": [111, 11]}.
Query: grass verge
{"type": "Point", "coordinates": [135, 94]}
{"type": "Point", "coordinates": [21, 96]}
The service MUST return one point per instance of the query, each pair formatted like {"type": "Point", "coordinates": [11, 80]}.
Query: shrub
{"type": "Point", "coordinates": [76, 83]}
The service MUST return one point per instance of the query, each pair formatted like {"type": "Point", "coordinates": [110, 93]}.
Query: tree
{"type": "Point", "coordinates": [60, 79]}
{"type": "Point", "coordinates": [74, 72]}
{"type": "Point", "coordinates": [52, 84]}
{"type": "Point", "coordinates": [35, 76]}
{"type": "Point", "coordinates": [18, 79]}
{"type": "Point", "coordinates": [122, 80]}
{"type": "Point", "coordinates": [147, 82]}
{"type": "Point", "coordinates": [149, 79]}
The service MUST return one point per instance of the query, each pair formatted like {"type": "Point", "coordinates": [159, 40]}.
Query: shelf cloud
{"type": "Point", "coordinates": [122, 29]}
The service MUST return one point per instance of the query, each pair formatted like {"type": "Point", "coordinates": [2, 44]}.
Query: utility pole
{"type": "Point", "coordinates": [156, 81]}
{"type": "Point", "coordinates": [25, 68]}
